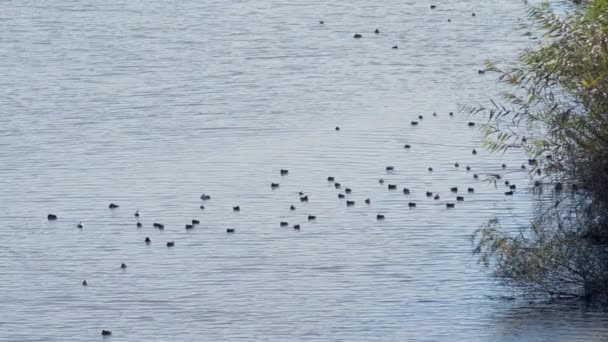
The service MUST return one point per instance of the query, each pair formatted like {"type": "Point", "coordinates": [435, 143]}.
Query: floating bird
{"type": "Point", "coordinates": [381, 181]}
{"type": "Point", "coordinates": [51, 217]}
{"type": "Point", "coordinates": [407, 146]}
{"type": "Point", "coordinates": [406, 191]}
{"type": "Point", "coordinates": [506, 183]}
{"type": "Point", "coordinates": [189, 226]}
{"type": "Point", "coordinates": [436, 197]}
{"type": "Point", "coordinates": [481, 71]}
{"type": "Point", "coordinates": [451, 113]}
{"type": "Point", "coordinates": [113, 206]}
{"type": "Point", "coordinates": [368, 201]}
{"type": "Point", "coordinates": [292, 207]}
{"type": "Point", "coordinates": [468, 168]}
{"type": "Point", "coordinates": [350, 203]}
{"type": "Point", "coordinates": [304, 199]}
{"type": "Point", "coordinates": [274, 185]}
{"type": "Point", "coordinates": [395, 47]}
{"type": "Point", "coordinates": [392, 186]}
{"type": "Point", "coordinates": [284, 172]}
{"type": "Point", "coordinates": [512, 187]}
{"type": "Point", "coordinates": [414, 123]}
{"type": "Point", "coordinates": [474, 151]}
{"type": "Point", "coordinates": [106, 333]}
{"type": "Point", "coordinates": [301, 193]}
{"type": "Point", "coordinates": [434, 114]}
{"type": "Point", "coordinates": [456, 165]}
{"type": "Point", "coordinates": [523, 167]}
{"type": "Point", "coordinates": [470, 190]}
{"type": "Point", "coordinates": [475, 176]}
{"type": "Point", "coordinates": [411, 205]}
{"type": "Point", "coordinates": [202, 206]}
{"type": "Point", "coordinates": [341, 196]}
{"type": "Point", "coordinates": [420, 117]}
{"type": "Point", "coordinates": [471, 124]}
{"type": "Point", "coordinates": [450, 205]}
{"type": "Point", "coordinates": [337, 185]}
{"type": "Point", "coordinates": [459, 198]}
{"type": "Point", "coordinates": [558, 186]}
{"type": "Point", "coordinates": [296, 226]}
{"type": "Point", "coordinates": [538, 172]}
{"type": "Point", "coordinates": [348, 191]}
{"type": "Point", "coordinates": [136, 213]}
{"type": "Point", "coordinates": [123, 265]}
{"type": "Point", "coordinates": [433, 6]}
{"type": "Point", "coordinates": [147, 240]}
{"type": "Point", "coordinates": [509, 193]}
{"type": "Point", "coordinates": [357, 36]}
{"type": "Point", "coordinates": [170, 243]}
{"type": "Point", "coordinates": [377, 31]}
{"type": "Point", "coordinates": [532, 162]}
{"type": "Point", "coordinates": [84, 283]}
{"type": "Point", "coordinates": [284, 224]}
{"type": "Point", "coordinates": [504, 166]}
{"type": "Point", "coordinates": [454, 189]}
{"type": "Point", "coordinates": [139, 225]}
{"type": "Point", "coordinates": [80, 225]}
{"type": "Point", "coordinates": [390, 168]}
{"type": "Point", "coordinates": [196, 222]}
{"type": "Point", "coordinates": [205, 197]}
{"type": "Point", "coordinates": [430, 169]}
{"type": "Point", "coordinates": [311, 217]}
{"type": "Point", "coordinates": [330, 179]}
{"type": "Point", "coordinates": [321, 22]}
{"type": "Point", "coordinates": [379, 217]}
{"type": "Point", "coordinates": [337, 128]}
{"type": "Point", "coordinates": [237, 208]}
{"type": "Point", "coordinates": [230, 230]}
{"type": "Point", "coordinates": [429, 194]}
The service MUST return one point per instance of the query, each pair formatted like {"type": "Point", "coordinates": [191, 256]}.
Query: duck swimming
{"type": "Point", "coordinates": [189, 226]}
{"type": "Point", "coordinates": [337, 185]}
{"type": "Point", "coordinates": [284, 172]}
{"type": "Point", "coordinates": [230, 230]}
{"type": "Point", "coordinates": [283, 224]}
{"type": "Point", "coordinates": [311, 217]}
{"type": "Point", "coordinates": [139, 225]}
{"type": "Point", "coordinates": [292, 207]}
{"type": "Point", "coordinates": [368, 201]}
{"type": "Point", "coordinates": [296, 226]}
{"type": "Point", "coordinates": [170, 243]}
{"type": "Point", "coordinates": [341, 196]}
{"type": "Point", "coordinates": [379, 217]}
{"type": "Point", "coordinates": [136, 213]}
{"type": "Point", "coordinates": [436, 197]}
{"type": "Point", "coordinates": [84, 283]}
{"type": "Point", "coordinates": [147, 240]}
{"type": "Point", "coordinates": [196, 222]}
{"type": "Point", "coordinates": [350, 203]}
{"type": "Point", "coordinates": [390, 168]}
{"type": "Point", "coordinates": [123, 265]}
{"type": "Point", "coordinates": [411, 205]}
{"type": "Point", "coordinates": [51, 217]}
{"type": "Point", "coordinates": [348, 191]}
{"type": "Point", "coordinates": [237, 208]}
{"type": "Point", "coordinates": [474, 152]}
{"type": "Point", "coordinates": [406, 191]}
{"type": "Point", "coordinates": [392, 186]}
{"type": "Point", "coordinates": [274, 185]}
{"type": "Point", "coordinates": [304, 199]}
{"type": "Point", "coordinates": [454, 189]}
{"type": "Point", "coordinates": [113, 206]}
{"type": "Point", "coordinates": [470, 190]}
{"type": "Point", "coordinates": [459, 198]}
{"type": "Point", "coordinates": [407, 146]}
{"type": "Point", "coordinates": [80, 225]}
{"type": "Point", "coordinates": [330, 179]}
{"type": "Point", "coordinates": [450, 205]}
{"type": "Point", "coordinates": [357, 36]}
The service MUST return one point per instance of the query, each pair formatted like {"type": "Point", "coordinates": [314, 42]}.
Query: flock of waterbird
{"type": "Point", "coordinates": [338, 186]}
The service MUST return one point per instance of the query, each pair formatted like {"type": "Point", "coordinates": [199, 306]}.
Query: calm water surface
{"type": "Point", "coordinates": [151, 103]}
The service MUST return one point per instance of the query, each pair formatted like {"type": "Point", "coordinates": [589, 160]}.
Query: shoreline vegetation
{"type": "Point", "coordinates": [556, 110]}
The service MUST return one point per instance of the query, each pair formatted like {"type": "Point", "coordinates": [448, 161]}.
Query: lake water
{"type": "Point", "coordinates": [149, 104]}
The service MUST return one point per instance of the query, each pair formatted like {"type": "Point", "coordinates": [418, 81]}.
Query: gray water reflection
{"type": "Point", "coordinates": [149, 104]}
